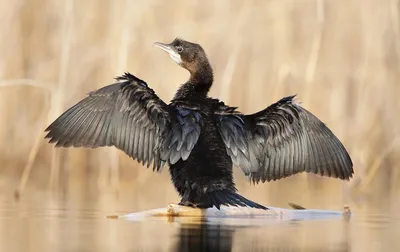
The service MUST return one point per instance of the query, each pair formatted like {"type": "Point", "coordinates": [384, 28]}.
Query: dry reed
{"type": "Point", "coordinates": [340, 57]}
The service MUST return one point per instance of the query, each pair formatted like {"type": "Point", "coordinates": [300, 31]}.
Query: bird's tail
{"type": "Point", "coordinates": [228, 198]}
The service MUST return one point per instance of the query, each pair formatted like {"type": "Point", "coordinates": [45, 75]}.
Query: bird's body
{"type": "Point", "coordinates": [208, 166]}
{"type": "Point", "coordinates": [200, 138]}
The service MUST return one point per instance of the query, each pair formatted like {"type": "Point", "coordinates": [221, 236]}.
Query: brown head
{"type": "Point", "coordinates": [190, 56]}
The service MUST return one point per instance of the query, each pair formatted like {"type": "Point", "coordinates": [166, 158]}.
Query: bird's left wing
{"type": "Point", "coordinates": [130, 116]}
{"type": "Point", "coordinates": [282, 140]}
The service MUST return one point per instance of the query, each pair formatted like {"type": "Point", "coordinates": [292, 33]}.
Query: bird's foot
{"type": "Point", "coordinates": [188, 204]}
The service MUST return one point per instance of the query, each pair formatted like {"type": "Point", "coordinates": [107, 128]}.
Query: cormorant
{"type": "Point", "coordinates": [199, 137]}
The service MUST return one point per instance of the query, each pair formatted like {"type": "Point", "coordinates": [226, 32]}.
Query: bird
{"type": "Point", "coordinates": [201, 138]}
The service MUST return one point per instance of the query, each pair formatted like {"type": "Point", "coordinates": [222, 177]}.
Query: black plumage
{"type": "Point", "coordinates": [200, 138]}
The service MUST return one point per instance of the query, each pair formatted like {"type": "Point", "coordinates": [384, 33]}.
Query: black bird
{"type": "Point", "coordinates": [199, 137]}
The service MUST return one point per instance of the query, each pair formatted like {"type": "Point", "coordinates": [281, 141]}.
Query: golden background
{"type": "Point", "coordinates": [340, 57]}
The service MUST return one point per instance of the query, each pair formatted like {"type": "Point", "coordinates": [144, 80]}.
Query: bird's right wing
{"type": "Point", "coordinates": [131, 117]}
{"type": "Point", "coordinates": [282, 140]}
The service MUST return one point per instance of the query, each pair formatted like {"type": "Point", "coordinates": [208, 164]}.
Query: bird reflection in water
{"type": "Point", "coordinates": [204, 237]}
{"type": "Point", "coordinates": [292, 235]}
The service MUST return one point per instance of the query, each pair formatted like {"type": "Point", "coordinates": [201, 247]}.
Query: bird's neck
{"type": "Point", "coordinates": [199, 83]}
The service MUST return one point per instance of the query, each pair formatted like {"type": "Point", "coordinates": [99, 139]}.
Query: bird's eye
{"type": "Point", "coordinates": [179, 48]}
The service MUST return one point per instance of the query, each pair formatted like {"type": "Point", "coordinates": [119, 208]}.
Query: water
{"type": "Point", "coordinates": [42, 221]}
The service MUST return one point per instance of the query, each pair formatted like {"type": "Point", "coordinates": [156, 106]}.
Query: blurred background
{"type": "Point", "coordinates": [341, 58]}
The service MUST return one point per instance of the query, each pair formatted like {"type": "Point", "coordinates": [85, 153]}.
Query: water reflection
{"type": "Point", "coordinates": [69, 229]}
{"type": "Point", "coordinates": [286, 236]}
{"type": "Point", "coordinates": [77, 223]}
{"type": "Point", "coordinates": [204, 237]}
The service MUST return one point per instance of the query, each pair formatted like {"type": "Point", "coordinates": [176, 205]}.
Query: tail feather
{"type": "Point", "coordinates": [229, 198]}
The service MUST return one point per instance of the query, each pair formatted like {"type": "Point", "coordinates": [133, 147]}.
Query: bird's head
{"type": "Point", "coordinates": [186, 54]}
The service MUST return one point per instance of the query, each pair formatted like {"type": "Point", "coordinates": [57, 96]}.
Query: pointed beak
{"type": "Point", "coordinates": [166, 47]}
{"type": "Point", "coordinates": [170, 50]}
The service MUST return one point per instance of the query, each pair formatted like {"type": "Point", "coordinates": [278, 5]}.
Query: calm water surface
{"type": "Point", "coordinates": [48, 222]}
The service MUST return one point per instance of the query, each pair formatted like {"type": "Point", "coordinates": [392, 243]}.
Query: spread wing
{"type": "Point", "coordinates": [282, 140]}
{"type": "Point", "coordinates": [131, 117]}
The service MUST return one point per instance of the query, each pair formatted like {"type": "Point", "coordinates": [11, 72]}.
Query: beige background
{"type": "Point", "coordinates": [340, 57]}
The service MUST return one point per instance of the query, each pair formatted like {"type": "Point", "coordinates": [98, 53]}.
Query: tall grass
{"type": "Point", "coordinates": [340, 57]}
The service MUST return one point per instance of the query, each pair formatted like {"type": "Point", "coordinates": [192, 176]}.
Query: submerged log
{"type": "Point", "coordinates": [273, 213]}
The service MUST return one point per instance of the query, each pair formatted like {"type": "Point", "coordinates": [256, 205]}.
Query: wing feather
{"type": "Point", "coordinates": [282, 140]}
{"type": "Point", "coordinates": [131, 117]}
